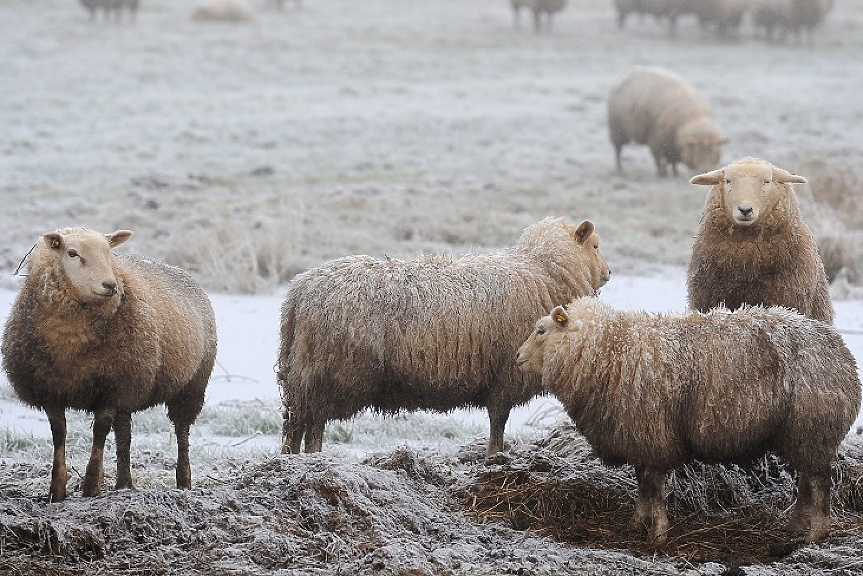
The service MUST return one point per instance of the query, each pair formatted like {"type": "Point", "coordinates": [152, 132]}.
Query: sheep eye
{"type": "Point", "coordinates": [540, 330]}
{"type": "Point", "coordinates": [72, 254]}
{"type": "Point", "coordinates": [728, 181]}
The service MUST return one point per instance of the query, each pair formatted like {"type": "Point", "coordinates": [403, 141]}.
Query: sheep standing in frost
{"type": "Point", "coordinates": [394, 335]}
{"type": "Point", "coordinates": [109, 6]}
{"type": "Point", "coordinates": [659, 390]}
{"type": "Point", "coordinates": [792, 16]}
{"type": "Point", "coordinates": [111, 335]}
{"type": "Point", "coordinates": [538, 7]}
{"type": "Point", "coordinates": [753, 247]}
{"type": "Point", "coordinates": [654, 106]}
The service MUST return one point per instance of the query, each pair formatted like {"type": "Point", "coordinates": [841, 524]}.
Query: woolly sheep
{"type": "Point", "coordinates": [109, 6]}
{"type": "Point", "coordinates": [221, 10]}
{"type": "Point", "coordinates": [111, 335]}
{"type": "Point", "coordinates": [659, 390]}
{"type": "Point", "coordinates": [723, 14]}
{"type": "Point", "coordinates": [394, 335]}
{"type": "Point", "coordinates": [671, 9]}
{"type": "Point", "coordinates": [653, 106]}
{"type": "Point", "coordinates": [753, 246]}
{"type": "Point", "coordinates": [786, 16]}
{"type": "Point", "coordinates": [538, 7]}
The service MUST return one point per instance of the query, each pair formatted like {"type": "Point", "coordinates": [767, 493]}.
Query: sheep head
{"type": "Point", "coordinates": [749, 190]}
{"type": "Point", "coordinates": [700, 144]}
{"type": "Point", "coordinates": [84, 259]}
{"type": "Point", "coordinates": [588, 242]}
{"type": "Point", "coordinates": [548, 330]}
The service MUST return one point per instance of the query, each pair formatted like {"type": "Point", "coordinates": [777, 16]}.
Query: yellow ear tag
{"type": "Point", "coordinates": [55, 243]}
{"type": "Point", "coordinates": [560, 318]}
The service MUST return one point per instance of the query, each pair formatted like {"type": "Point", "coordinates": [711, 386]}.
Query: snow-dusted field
{"type": "Point", "coordinates": [249, 152]}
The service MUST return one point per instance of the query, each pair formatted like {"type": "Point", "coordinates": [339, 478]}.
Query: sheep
{"type": "Point", "coordinates": [653, 106]}
{"type": "Point", "coordinates": [111, 335]}
{"type": "Point", "coordinates": [671, 9]}
{"type": "Point", "coordinates": [109, 6]}
{"type": "Point", "coordinates": [221, 10]}
{"type": "Point", "coordinates": [724, 14]}
{"type": "Point", "coordinates": [538, 7]}
{"type": "Point", "coordinates": [359, 332]}
{"type": "Point", "coordinates": [786, 16]}
{"type": "Point", "coordinates": [753, 247]}
{"type": "Point", "coordinates": [659, 390]}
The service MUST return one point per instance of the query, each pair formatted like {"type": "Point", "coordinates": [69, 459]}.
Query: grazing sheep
{"type": "Point", "coordinates": [110, 335]}
{"type": "Point", "coordinates": [417, 334]}
{"type": "Point", "coordinates": [656, 107]}
{"type": "Point", "coordinates": [111, 6]}
{"type": "Point", "coordinates": [792, 16]}
{"type": "Point", "coordinates": [538, 7]}
{"type": "Point", "coordinates": [725, 15]}
{"type": "Point", "coordinates": [671, 9]}
{"type": "Point", "coordinates": [659, 390]}
{"type": "Point", "coordinates": [753, 247]}
{"type": "Point", "coordinates": [222, 11]}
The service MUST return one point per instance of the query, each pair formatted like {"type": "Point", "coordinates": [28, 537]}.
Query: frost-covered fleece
{"type": "Point", "coordinates": [435, 332]}
{"type": "Point", "coordinates": [654, 106]}
{"type": "Point", "coordinates": [753, 246]}
{"type": "Point", "coordinates": [659, 390]}
{"type": "Point", "coordinates": [111, 335]}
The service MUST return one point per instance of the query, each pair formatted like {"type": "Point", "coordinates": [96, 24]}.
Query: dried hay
{"type": "Point", "coordinates": [727, 514]}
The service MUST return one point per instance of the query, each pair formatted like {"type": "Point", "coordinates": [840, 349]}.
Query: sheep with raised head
{"type": "Point", "coordinates": [753, 247]}
{"type": "Point", "coordinates": [656, 107]}
{"type": "Point", "coordinates": [111, 335]}
{"type": "Point", "coordinates": [538, 7]}
{"type": "Point", "coordinates": [659, 390]}
{"type": "Point", "coordinates": [359, 332]}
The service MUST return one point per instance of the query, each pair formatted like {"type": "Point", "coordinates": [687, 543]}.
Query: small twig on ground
{"type": "Point", "coordinates": [228, 376]}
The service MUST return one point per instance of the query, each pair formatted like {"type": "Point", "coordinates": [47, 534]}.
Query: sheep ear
{"type": "Point", "coordinates": [54, 240]}
{"type": "Point", "coordinates": [585, 229]}
{"type": "Point", "coordinates": [709, 178]}
{"type": "Point", "coordinates": [784, 176]}
{"type": "Point", "coordinates": [560, 316]}
{"type": "Point", "coordinates": [118, 237]}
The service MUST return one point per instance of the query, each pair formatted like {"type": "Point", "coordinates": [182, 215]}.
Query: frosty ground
{"type": "Point", "coordinates": [249, 152]}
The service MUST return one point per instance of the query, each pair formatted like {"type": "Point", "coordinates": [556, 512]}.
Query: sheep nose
{"type": "Point", "coordinates": [745, 211]}
{"type": "Point", "coordinates": [110, 286]}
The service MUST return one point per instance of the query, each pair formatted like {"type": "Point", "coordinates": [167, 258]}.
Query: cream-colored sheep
{"type": "Point", "coordinates": [538, 7]}
{"type": "Point", "coordinates": [433, 333]}
{"type": "Point", "coordinates": [221, 10]}
{"type": "Point", "coordinates": [653, 106]}
{"type": "Point", "coordinates": [659, 390]}
{"type": "Point", "coordinates": [753, 247]}
{"type": "Point", "coordinates": [111, 335]}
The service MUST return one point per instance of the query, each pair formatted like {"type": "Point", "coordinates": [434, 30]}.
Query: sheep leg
{"type": "Point", "coordinates": [123, 438]}
{"type": "Point", "coordinates": [650, 509]}
{"type": "Point", "coordinates": [802, 509]}
{"type": "Point", "coordinates": [314, 436]}
{"type": "Point", "coordinates": [497, 417]}
{"type": "Point", "coordinates": [184, 468]}
{"type": "Point", "coordinates": [537, 21]}
{"type": "Point", "coordinates": [819, 523]}
{"type": "Point", "coordinates": [102, 421]}
{"type": "Point", "coordinates": [59, 474]}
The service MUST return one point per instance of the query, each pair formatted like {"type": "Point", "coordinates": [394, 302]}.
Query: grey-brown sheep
{"type": "Point", "coordinates": [394, 335]}
{"type": "Point", "coordinates": [670, 9]}
{"type": "Point", "coordinates": [659, 390]}
{"type": "Point", "coordinates": [790, 16]}
{"type": "Point", "coordinates": [538, 7]}
{"type": "Point", "coordinates": [724, 15]}
{"type": "Point", "coordinates": [110, 7]}
{"type": "Point", "coordinates": [653, 106]}
{"type": "Point", "coordinates": [111, 335]}
{"type": "Point", "coordinates": [753, 247]}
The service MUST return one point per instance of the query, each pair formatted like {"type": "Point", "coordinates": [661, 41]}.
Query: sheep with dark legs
{"type": "Point", "coordinates": [112, 335]}
{"type": "Point", "coordinates": [659, 390]}
{"type": "Point", "coordinates": [394, 335]}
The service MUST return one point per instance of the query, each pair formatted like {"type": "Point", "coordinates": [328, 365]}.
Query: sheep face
{"type": "Point", "coordinates": [748, 191]}
{"type": "Point", "coordinates": [549, 330]}
{"type": "Point", "coordinates": [699, 144]}
{"type": "Point", "coordinates": [84, 258]}
{"type": "Point", "coordinates": [588, 241]}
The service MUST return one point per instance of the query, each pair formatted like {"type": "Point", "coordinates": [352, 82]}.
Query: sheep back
{"type": "Point", "coordinates": [656, 107]}
{"type": "Point", "coordinates": [435, 332]}
{"type": "Point", "coordinates": [771, 260]}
